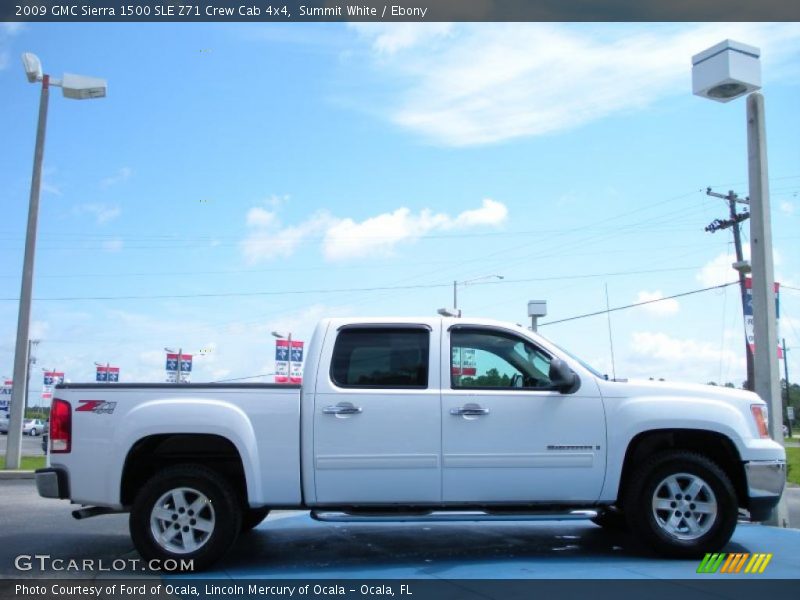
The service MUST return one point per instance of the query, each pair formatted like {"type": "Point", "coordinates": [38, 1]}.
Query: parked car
{"type": "Point", "coordinates": [32, 427]}
{"type": "Point", "coordinates": [416, 419]}
{"type": "Point", "coordinates": [3, 422]}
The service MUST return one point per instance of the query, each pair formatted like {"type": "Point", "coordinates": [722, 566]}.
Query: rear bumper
{"type": "Point", "coordinates": [52, 482]}
{"type": "Point", "coordinates": [765, 482]}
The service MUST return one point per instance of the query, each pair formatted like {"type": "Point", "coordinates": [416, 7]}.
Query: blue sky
{"type": "Point", "coordinates": [295, 162]}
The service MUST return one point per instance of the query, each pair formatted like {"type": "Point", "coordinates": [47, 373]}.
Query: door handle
{"type": "Point", "coordinates": [343, 408]}
{"type": "Point", "coordinates": [470, 410]}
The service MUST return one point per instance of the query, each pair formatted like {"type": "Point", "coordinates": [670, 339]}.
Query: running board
{"type": "Point", "coordinates": [448, 515]}
{"type": "Point", "coordinates": [94, 511]}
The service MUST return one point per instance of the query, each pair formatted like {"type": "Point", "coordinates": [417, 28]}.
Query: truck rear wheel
{"type": "Point", "coordinates": [185, 512]}
{"type": "Point", "coordinates": [681, 504]}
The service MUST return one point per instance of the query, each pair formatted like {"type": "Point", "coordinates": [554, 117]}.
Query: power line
{"type": "Point", "coordinates": [602, 312]}
{"type": "Point", "coordinates": [242, 378]}
{"type": "Point", "coordinates": [345, 290]}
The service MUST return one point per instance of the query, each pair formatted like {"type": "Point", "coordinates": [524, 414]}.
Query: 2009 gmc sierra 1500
{"type": "Point", "coordinates": [429, 418]}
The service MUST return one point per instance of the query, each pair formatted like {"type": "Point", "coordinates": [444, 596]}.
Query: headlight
{"type": "Point", "coordinates": [761, 418]}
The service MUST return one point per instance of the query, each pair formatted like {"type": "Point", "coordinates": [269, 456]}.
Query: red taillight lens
{"type": "Point", "coordinates": [760, 415]}
{"type": "Point", "coordinates": [60, 427]}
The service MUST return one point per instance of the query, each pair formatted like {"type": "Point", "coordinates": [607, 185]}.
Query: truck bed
{"type": "Point", "coordinates": [262, 420]}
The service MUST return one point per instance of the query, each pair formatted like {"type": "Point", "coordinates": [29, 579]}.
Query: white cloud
{"type": "Point", "coordinates": [471, 84]}
{"type": "Point", "coordinates": [663, 308]}
{"type": "Point", "coordinates": [51, 188]}
{"type": "Point", "coordinates": [787, 207]}
{"type": "Point", "coordinates": [10, 28]}
{"type": "Point", "coordinates": [120, 176]}
{"type": "Point", "coordinates": [491, 212]}
{"type": "Point", "coordinates": [268, 241]}
{"type": "Point", "coordinates": [103, 213]}
{"type": "Point", "coordinates": [39, 330]}
{"type": "Point", "coordinates": [259, 217]}
{"type": "Point", "coordinates": [719, 271]}
{"type": "Point", "coordinates": [7, 31]}
{"type": "Point", "coordinates": [344, 239]}
{"type": "Point", "coordinates": [113, 245]}
{"type": "Point", "coordinates": [379, 235]}
{"type": "Point", "coordinates": [388, 39]}
{"type": "Point", "coordinates": [661, 355]}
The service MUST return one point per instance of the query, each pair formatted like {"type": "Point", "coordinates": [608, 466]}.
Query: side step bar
{"type": "Point", "coordinates": [448, 515]}
{"type": "Point", "coordinates": [94, 511]}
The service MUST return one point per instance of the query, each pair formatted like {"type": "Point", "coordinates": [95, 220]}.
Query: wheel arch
{"type": "Point", "coordinates": [154, 453]}
{"type": "Point", "coordinates": [711, 444]}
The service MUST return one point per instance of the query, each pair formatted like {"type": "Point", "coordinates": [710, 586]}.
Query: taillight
{"type": "Point", "coordinates": [60, 427]}
{"type": "Point", "coordinates": [760, 415]}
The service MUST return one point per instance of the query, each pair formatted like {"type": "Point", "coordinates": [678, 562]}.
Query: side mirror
{"type": "Point", "coordinates": [564, 379]}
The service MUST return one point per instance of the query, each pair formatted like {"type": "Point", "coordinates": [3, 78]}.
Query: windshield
{"type": "Point", "coordinates": [584, 364]}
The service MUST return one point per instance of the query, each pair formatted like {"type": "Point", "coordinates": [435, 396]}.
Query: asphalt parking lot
{"type": "Point", "coordinates": [31, 446]}
{"type": "Point", "coordinates": [290, 545]}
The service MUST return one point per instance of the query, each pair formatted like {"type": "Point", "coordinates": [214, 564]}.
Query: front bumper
{"type": "Point", "coordinates": [52, 482]}
{"type": "Point", "coordinates": [765, 482]}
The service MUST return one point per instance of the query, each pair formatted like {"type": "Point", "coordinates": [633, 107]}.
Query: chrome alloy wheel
{"type": "Point", "coordinates": [182, 520]}
{"type": "Point", "coordinates": [684, 506]}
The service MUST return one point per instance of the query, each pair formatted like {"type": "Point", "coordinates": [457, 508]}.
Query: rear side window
{"type": "Point", "coordinates": [381, 358]}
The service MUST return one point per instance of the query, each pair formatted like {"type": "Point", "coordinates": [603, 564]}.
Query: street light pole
{"type": "Point", "coordinates": [723, 73]}
{"type": "Point", "coordinates": [767, 374]}
{"type": "Point", "coordinates": [79, 88]}
{"type": "Point", "coordinates": [19, 391]}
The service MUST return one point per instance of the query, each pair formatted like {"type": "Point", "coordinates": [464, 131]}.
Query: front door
{"type": "Point", "coordinates": [377, 418]}
{"type": "Point", "coordinates": [507, 435]}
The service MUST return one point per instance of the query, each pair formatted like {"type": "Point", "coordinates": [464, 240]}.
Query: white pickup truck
{"type": "Point", "coordinates": [426, 419]}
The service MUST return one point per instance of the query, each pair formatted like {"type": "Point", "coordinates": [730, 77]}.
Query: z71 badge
{"type": "Point", "coordinates": [96, 406]}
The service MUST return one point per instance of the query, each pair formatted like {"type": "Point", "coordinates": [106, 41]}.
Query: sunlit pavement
{"type": "Point", "coordinates": [289, 544]}
{"type": "Point", "coordinates": [294, 546]}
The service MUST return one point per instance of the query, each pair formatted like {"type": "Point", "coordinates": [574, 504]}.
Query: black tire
{"type": "Point", "coordinates": [252, 517]}
{"type": "Point", "coordinates": [612, 519]}
{"type": "Point", "coordinates": [679, 525]}
{"type": "Point", "coordinates": [34, 433]}
{"type": "Point", "coordinates": [209, 535]}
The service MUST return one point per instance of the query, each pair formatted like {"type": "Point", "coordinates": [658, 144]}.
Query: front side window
{"type": "Point", "coordinates": [492, 359]}
{"type": "Point", "coordinates": [381, 358]}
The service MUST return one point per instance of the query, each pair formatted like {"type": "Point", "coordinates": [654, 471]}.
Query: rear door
{"type": "Point", "coordinates": [377, 417]}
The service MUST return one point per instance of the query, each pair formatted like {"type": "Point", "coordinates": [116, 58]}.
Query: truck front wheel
{"type": "Point", "coordinates": [681, 504]}
{"type": "Point", "coordinates": [185, 513]}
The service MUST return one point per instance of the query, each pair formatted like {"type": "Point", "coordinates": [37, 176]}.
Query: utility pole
{"type": "Point", "coordinates": [786, 381]}
{"type": "Point", "coordinates": [740, 265]}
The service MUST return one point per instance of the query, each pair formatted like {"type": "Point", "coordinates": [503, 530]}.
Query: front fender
{"type": "Point", "coordinates": [630, 417]}
{"type": "Point", "coordinates": [186, 415]}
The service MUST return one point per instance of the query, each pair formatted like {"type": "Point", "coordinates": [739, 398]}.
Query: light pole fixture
{"type": "Point", "coordinates": [536, 309]}
{"type": "Point", "coordinates": [723, 73]}
{"type": "Point", "coordinates": [79, 88]}
{"type": "Point", "coordinates": [467, 282]}
{"type": "Point", "coordinates": [288, 338]}
{"type": "Point", "coordinates": [726, 71]}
